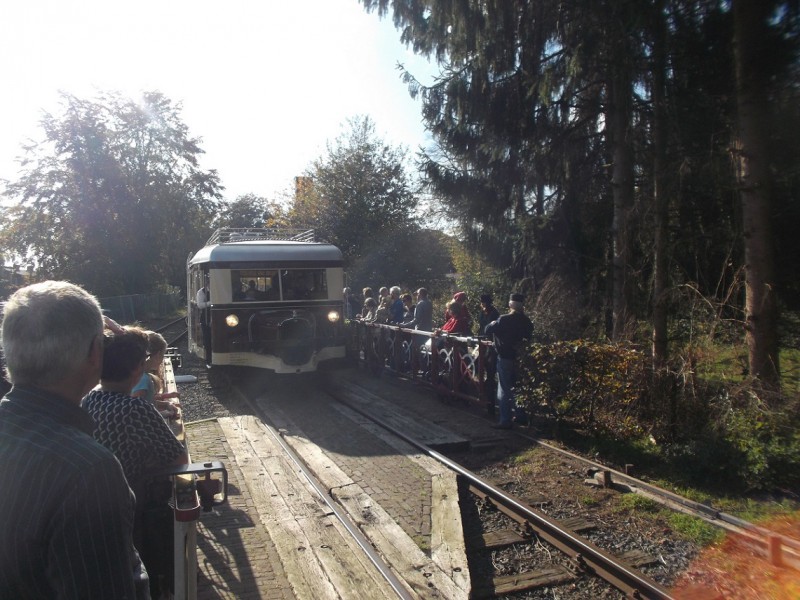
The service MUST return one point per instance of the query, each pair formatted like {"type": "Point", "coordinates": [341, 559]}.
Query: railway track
{"type": "Point", "coordinates": [529, 526]}
{"type": "Point", "coordinates": [581, 557]}
{"type": "Point", "coordinates": [174, 331]}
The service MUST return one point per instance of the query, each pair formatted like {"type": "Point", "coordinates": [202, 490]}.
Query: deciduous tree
{"type": "Point", "coordinates": [111, 196]}
{"type": "Point", "coordinates": [250, 210]}
{"type": "Point", "coordinates": [360, 197]}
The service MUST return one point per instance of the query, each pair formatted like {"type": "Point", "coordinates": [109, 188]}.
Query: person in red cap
{"type": "Point", "coordinates": [461, 299]}
{"type": "Point", "coordinates": [509, 331]}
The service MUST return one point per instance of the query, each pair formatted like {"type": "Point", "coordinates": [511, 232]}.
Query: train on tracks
{"type": "Point", "coordinates": [266, 298]}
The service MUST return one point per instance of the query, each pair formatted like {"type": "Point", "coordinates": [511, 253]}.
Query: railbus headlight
{"type": "Point", "coordinates": [333, 316]}
{"type": "Point", "coordinates": [231, 320]}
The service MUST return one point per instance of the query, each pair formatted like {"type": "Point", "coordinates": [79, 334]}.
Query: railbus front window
{"type": "Point", "coordinates": [253, 285]}
{"type": "Point", "coordinates": [304, 284]}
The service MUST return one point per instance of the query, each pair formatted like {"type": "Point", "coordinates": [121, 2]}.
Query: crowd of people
{"type": "Point", "coordinates": [83, 428]}
{"type": "Point", "coordinates": [508, 332]}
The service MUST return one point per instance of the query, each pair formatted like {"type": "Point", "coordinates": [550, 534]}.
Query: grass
{"type": "Point", "coordinates": [694, 529]}
{"type": "Point", "coordinates": [638, 503]}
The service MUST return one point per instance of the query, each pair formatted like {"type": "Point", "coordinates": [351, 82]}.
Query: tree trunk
{"type": "Point", "coordinates": [622, 185]}
{"type": "Point", "coordinates": [660, 202]}
{"type": "Point", "coordinates": [761, 310]}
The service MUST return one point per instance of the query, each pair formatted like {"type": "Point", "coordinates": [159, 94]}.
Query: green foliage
{"type": "Point", "coordinates": [360, 196]}
{"type": "Point", "coordinates": [413, 258]}
{"type": "Point", "coordinates": [558, 313]}
{"type": "Point", "coordinates": [763, 441]}
{"type": "Point", "coordinates": [112, 196]}
{"type": "Point", "coordinates": [692, 528]}
{"type": "Point", "coordinates": [527, 115]}
{"type": "Point", "coordinates": [359, 192]}
{"type": "Point", "coordinates": [602, 385]}
{"type": "Point", "coordinates": [250, 210]}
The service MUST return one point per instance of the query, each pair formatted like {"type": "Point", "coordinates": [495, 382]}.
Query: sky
{"type": "Point", "coordinates": [265, 84]}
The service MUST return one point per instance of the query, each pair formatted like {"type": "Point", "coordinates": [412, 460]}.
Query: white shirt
{"type": "Point", "coordinates": [200, 299]}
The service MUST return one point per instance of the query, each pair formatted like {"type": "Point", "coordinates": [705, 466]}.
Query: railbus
{"type": "Point", "coordinates": [266, 298]}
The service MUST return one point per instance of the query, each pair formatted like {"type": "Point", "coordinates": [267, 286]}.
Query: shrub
{"type": "Point", "coordinates": [602, 385]}
{"type": "Point", "coordinates": [762, 433]}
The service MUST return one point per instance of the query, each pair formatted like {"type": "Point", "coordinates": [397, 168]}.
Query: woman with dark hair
{"type": "Point", "coordinates": [136, 433]}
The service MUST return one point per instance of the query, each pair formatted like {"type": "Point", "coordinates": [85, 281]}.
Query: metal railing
{"type": "Point", "coordinates": [226, 235]}
{"type": "Point", "coordinates": [455, 366]}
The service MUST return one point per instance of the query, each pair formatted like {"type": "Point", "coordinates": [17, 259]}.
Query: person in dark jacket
{"type": "Point", "coordinates": [509, 332]}
{"type": "Point", "coordinates": [488, 314]}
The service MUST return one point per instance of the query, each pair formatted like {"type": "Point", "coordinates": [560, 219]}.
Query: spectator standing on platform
{"type": "Point", "coordinates": [130, 427]}
{"type": "Point", "coordinates": [351, 304]}
{"type": "Point", "coordinates": [66, 529]}
{"type": "Point", "coordinates": [396, 307]}
{"type": "Point", "coordinates": [382, 312]}
{"type": "Point", "coordinates": [408, 307]}
{"type": "Point", "coordinates": [509, 331]}
{"type": "Point", "coordinates": [457, 324]}
{"type": "Point", "coordinates": [134, 430]}
{"type": "Point", "coordinates": [151, 384]}
{"type": "Point", "coordinates": [423, 312]}
{"type": "Point", "coordinates": [382, 293]}
{"type": "Point", "coordinates": [461, 298]}
{"type": "Point", "coordinates": [488, 314]}
{"type": "Point", "coordinates": [368, 294]}
{"type": "Point", "coordinates": [370, 308]}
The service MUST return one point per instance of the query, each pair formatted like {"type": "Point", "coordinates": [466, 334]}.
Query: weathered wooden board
{"type": "Point", "coordinates": [448, 549]}
{"type": "Point", "coordinates": [501, 538]}
{"type": "Point", "coordinates": [426, 432]}
{"type": "Point", "coordinates": [519, 582]}
{"type": "Point", "coordinates": [423, 574]}
{"type": "Point", "coordinates": [320, 558]}
{"type": "Point", "coordinates": [576, 524]}
{"type": "Point", "coordinates": [638, 558]}
{"type": "Point", "coordinates": [553, 575]}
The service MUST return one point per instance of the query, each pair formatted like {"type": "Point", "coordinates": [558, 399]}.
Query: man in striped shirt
{"type": "Point", "coordinates": [66, 510]}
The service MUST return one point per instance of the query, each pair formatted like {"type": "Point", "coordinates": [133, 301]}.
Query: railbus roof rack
{"type": "Point", "coordinates": [226, 235]}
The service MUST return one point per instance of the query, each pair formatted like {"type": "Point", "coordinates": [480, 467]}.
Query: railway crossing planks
{"type": "Point", "coordinates": [320, 558]}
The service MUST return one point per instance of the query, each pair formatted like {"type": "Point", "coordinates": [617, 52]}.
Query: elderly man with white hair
{"type": "Point", "coordinates": [396, 307]}
{"type": "Point", "coordinates": [509, 331]}
{"type": "Point", "coordinates": [67, 511]}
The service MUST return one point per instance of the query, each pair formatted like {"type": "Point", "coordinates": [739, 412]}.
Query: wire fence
{"type": "Point", "coordinates": [128, 309]}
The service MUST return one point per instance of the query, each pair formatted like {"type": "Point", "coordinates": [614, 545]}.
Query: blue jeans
{"type": "Point", "coordinates": [505, 390]}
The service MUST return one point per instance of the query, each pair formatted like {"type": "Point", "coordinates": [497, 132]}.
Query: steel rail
{"type": "Point", "coordinates": [786, 553]}
{"type": "Point", "coordinates": [587, 555]}
{"type": "Point", "coordinates": [779, 549]}
{"type": "Point", "coordinates": [170, 324]}
{"type": "Point", "coordinates": [394, 582]}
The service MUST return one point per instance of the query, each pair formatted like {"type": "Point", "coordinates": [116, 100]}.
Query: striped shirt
{"type": "Point", "coordinates": [66, 510]}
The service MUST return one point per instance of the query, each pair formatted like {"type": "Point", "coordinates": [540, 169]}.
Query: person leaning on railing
{"type": "Point", "coordinates": [136, 433]}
